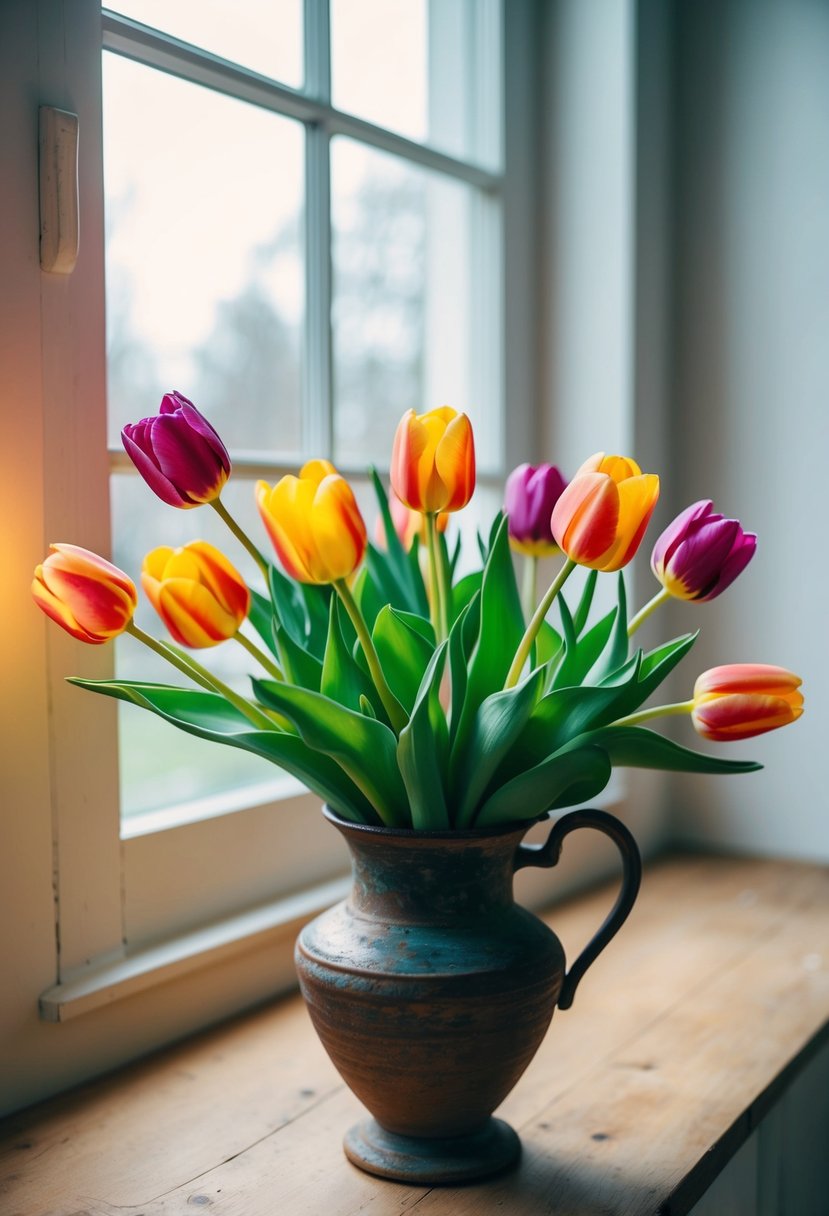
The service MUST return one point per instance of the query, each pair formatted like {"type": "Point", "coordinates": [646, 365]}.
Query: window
{"type": "Point", "coordinates": [305, 257]}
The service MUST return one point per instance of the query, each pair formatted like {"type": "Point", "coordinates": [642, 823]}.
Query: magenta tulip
{"type": "Point", "coordinates": [529, 497]}
{"type": "Point", "coordinates": [178, 453]}
{"type": "Point", "coordinates": [701, 553]}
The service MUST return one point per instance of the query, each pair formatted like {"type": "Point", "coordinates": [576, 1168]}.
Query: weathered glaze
{"type": "Point", "coordinates": [431, 990]}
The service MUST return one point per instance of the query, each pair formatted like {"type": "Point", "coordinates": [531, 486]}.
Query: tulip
{"type": "Point", "coordinates": [529, 498]}
{"type": "Point", "coordinates": [314, 523]}
{"type": "Point", "coordinates": [744, 699]}
{"type": "Point", "coordinates": [701, 553]}
{"type": "Point", "coordinates": [601, 517]}
{"type": "Point", "coordinates": [201, 598]}
{"type": "Point", "coordinates": [87, 596]}
{"type": "Point", "coordinates": [178, 453]}
{"type": "Point", "coordinates": [433, 461]}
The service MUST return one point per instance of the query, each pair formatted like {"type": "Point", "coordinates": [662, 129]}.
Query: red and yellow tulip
{"type": "Point", "coordinates": [86, 595]}
{"type": "Point", "coordinates": [601, 517]}
{"type": "Point", "coordinates": [314, 523]}
{"type": "Point", "coordinates": [199, 595]}
{"type": "Point", "coordinates": [433, 461]}
{"type": "Point", "coordinates": [739, 700]}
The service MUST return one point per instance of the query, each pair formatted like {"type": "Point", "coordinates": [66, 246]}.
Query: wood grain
{"type": "Point", "coordinates": [680, 1040]}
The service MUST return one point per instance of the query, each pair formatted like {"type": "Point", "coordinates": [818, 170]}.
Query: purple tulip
{"type": "Point", "coordinates": [529, 498]}
{"type": "Point", "coordinates": [178, 453]}
{"type": "Point", "coordinates": [700, 553]}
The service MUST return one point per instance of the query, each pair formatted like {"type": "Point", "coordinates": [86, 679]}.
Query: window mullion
{"type": "Point", "coordinates": [317, 411]}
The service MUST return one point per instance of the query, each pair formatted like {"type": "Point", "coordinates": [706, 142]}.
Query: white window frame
{"type": "Point", "coordinates": [132, 910]}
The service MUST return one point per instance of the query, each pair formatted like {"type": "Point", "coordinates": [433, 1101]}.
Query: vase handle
{"type": "Point", "coordinates": [548, 854]}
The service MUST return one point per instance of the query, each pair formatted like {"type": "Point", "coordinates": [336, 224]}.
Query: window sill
{"type": "Point", "coordinates": [686, 1035]}
{"type": "Point", "coordinates": [273, 925]}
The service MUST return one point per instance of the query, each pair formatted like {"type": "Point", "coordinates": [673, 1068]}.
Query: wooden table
{"type": "Point", "coordinates": [686, 1032]}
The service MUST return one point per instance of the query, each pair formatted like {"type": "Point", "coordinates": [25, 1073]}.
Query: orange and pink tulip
{"type": "Point", "coordinates": [739, 700]}
{"type": "Point", "coordinates": [314, 523]}
{"type": "Point", "coordinates": [199, 595]}
{"type": "Point", "coordinates": [84, 594]}
{"type": "Point", "coordinates": [433, 461]}
{"type": "Point", "coordinates": [601, 516]}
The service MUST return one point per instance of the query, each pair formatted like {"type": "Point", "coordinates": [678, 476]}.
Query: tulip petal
{"type": "Point", "coordinates": [694, 566]}
{"type": "Point", "coordinates": [585, 518]}
{"type": "Point", "coordinates": [162, 487]}
{"type": "Point", "coordinates": [742, 553]}
{"type": "Point", "coordinates": [60, 614]}
{"type": "Point", "coordinates": [747, 677]}
{"type": "Point", "coordinates": [742, 715]}
{"type": "Point", "coordinates": [673, 534]}
{"type": "Point", "coordinates": [637, 500]}
{"type": "Point", "coordinates": [192, 615]}
{"type": "Point", "coordinates": [455, 462]}
{"type": "Point", "coordinates": [187, 459]}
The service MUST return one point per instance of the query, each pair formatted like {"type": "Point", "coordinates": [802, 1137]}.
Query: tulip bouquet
{"type": "Point", "coordinates": [399, 691]}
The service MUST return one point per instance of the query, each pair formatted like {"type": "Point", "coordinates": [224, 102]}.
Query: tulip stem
{"type": "Point", "coordinates": [439, 598]}
{"type": "Point", "coordinates": [395, 711]}
{"type": "Point", "coordinates": [658, 711]}
{"type": "Point", "coordinates": [531, 632]}
{"type": "Point", "coordinates": [260, 656]}
{"type": "Point", "coordinates": [242, 537]}
{"type": "Point", "coordinates": [200, 675]}
{"type": "Point", "coordinates": [529, 590]}
{"type": "Point", "coordinates": [643, 613]}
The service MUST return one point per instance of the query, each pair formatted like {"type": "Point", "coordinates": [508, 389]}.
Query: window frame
{"type": "Point", "coordinates": [111, 904]}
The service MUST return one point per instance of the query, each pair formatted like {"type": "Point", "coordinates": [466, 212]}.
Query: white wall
{"type": "Point", "coordinates": [751, 389]}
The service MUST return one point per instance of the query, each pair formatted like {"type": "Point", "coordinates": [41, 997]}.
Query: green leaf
{"type": "Point", "coordinates": [342, 679]}
{"type": "Point", "coordinates": [288, 605]}
{"type": "Point", "coordinates": [498, 722]}
{"type": "Point", "coordinates": [316, 599]}
{"type": "Point", "coordinates": [635, 747]}
{"type": "Point", "coordinates": [404, 654]}
{"type": "Point", "coordinates": [500, 632]}
{"type": "Point", "coordinates": [655, 668]}
{"type": "Point", "coordinates": [261, 616]}
{"type": "Point", "coordinates": [465, 591]}
{"type": "Point", "coordinates": [208, 716]}
{"type": "Point", "coordinates": [548, 644]}
{"type": "Point", "coordinates": [461, 641]}
{"type": "Point", "coordinates": [421, 751]}
{"type": "Point", "coordinates": [616, 654]}
{"type": "Point", "coordinates": [397, 578]}
{"type": "Point", "coordinates": [298, 666]}
{"type": "Point", "coordinates": [565, 779]}
{"type": "Point", "coordinates": [585, 603]}
{"type": "Point", "coordinates": [565, 713]}
{"type": "Point", "coordinates": [365, 749]}
{"type": "Point", "coordinates": [368, 598]}
{"type": "Point", "coordinates": [580, 655]}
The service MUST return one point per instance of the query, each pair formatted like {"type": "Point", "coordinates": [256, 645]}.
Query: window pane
{"type": "Point", "coordinates": [401, 305]}
{"type": "Point", "coordinates": [411, 66]}
{"type": "Point", "coordinates": [203, 256]}
{"type": "Point", "coordinates": [161, 765]}
{"type": "Point", "coordinates": [264, 35]}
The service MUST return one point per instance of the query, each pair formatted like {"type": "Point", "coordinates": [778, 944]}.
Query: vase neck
{"type": "Point", "coordinates": [416, 878]}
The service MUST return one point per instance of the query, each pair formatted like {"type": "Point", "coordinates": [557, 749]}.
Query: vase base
{"type": "Point", "coordinates": [437, 1161]}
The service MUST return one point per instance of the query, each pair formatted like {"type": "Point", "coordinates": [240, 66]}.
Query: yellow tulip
{"type": "Point", "coordinates": [314, 523]}
{"type": "Point", "coordinates": [201, 598]}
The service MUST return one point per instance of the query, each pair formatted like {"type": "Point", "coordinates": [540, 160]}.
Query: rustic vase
{"type": "Point", "coordinates": [431, 989]}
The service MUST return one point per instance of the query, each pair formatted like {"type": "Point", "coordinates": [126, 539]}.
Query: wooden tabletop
{"type": "Point", "coordinates": [682, 1036]}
